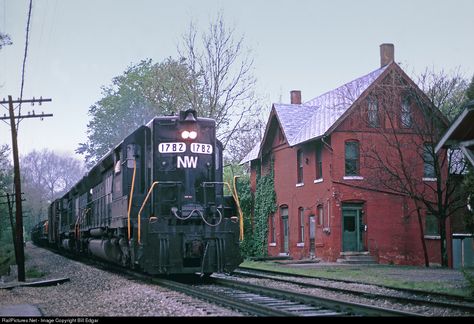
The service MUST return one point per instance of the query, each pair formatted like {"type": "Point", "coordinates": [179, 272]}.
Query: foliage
{"type": "Point", "coordinates": [46, 175]}
{"type": "Point", "coordinates": [469, 276]}
{"type": "Point", "coordinates": [213, 75]}
{"type": "Point", "coordinates": [468, 183]}
{"type": "Point", "coordinates": [468, 188]}
{"type": "Point", "coordinates": [447, 91]}
{"type": "Point", "coordinates": [6, 181]}
{"type": "Point", "coordinates": [245, 200]}
{"type": "Point", "coordinates": [34, 272]}
{"type": "Point", "coordinates": [4, 40]}
{"type": "Point", "coordinates": [265, 204]}
{"type": "Point", "coordinates": [222, 82]}
{"type": "Point", "coordinates": [144, 91]}
{"type": "Point", "coordinates": [470, 90]}
{"type": "Point", "coordinates": [7, 257]}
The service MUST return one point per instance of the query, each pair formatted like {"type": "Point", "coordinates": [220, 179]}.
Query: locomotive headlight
{"type": "Point", "coordinates": [185, 134]}
{"type": "Point", "coordinates": [189, 134]}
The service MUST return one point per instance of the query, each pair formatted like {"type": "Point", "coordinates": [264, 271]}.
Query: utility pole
{"type": "Point", "coordinates": [16, 169]}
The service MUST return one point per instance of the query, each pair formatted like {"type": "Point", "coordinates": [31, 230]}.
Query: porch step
{"type": "Point", "coordinates": [356, 258]}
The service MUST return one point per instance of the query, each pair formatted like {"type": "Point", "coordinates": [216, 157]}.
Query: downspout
{"type": "Point", "coordinates": [328, 231]}
{"type": "Point", "coordinates": [326, 144]}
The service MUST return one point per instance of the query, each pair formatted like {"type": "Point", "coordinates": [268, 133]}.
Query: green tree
{"type": "Point", "coordinates": [143, 91]}
{"type": "Point", "coordinates": [470, 90]}
{"type": "Point", "coordinates": [468, 183]}
{"type": "Point", "coordinates": [6, 181]}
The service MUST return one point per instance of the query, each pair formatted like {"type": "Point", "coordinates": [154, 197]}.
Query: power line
{"type": "Point", "coordinates": [24, 61]}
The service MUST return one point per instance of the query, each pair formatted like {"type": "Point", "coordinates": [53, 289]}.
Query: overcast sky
{"type": "Point", "coordinates": [76, 47]}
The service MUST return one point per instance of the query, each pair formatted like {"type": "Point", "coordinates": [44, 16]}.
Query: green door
{"type": "Point", "coordinates": [351, 228]}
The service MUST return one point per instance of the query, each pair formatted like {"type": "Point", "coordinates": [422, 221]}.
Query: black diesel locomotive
{"type": "Point", "coordinates": [155, 202]}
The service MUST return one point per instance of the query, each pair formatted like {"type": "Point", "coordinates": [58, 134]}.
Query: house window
{"type": "Point", "coordinates": [373, 112]}
{"type": "Point", "coordinates": [405, 116]}
{"type": "Point", "coordinates": [320, 218]}
{"type": "Point", "coordinates": [299, 162]}
{"type": "Point", "coordinates": [301, 223]}
{"type": "Point", "coordinates": [272, 229]}
{"type": "Point", "coordinates": [352, 158]}
{"type": "Point", "coordinates": [319, 161]}
{"type": "Point", "coordinates": [431, 225]}
{"type": "Point", "coordinates": [428, 161]}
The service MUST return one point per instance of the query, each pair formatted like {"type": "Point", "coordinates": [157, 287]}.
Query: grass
{"type": "Point", "coordinates": [374, 274]}
{"type": "Point", "coordinates": [33, 272]}
{"type": "Point", "coordinates": [7, 258]}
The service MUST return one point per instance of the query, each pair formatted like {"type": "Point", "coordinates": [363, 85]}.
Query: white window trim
{"type": "Point", "coordinates": [432, 237]}
{"type": "Point", "coordinates": [353, 178]}
{"type": "Point", "coordinates": [301, 184]}
{"type": "Point", "coordinates": [430, 179]}
{"type": "Point", "coordinates": [301, 244]}
{"type": "Point", "coordinates": [272, 244]}
{"type": "Point", "coordinates": [318, 180]}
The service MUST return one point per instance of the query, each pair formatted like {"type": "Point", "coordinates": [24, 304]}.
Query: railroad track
{"type": "Point", "coordinates": [407, 296]}
{"type": "Point", "coordinates": [251, 299]}
{"type": "Point", "coordinates": [263, 301]}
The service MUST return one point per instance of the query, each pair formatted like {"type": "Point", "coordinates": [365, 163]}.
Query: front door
{"type": "Point", "coordinates": [352, 227]}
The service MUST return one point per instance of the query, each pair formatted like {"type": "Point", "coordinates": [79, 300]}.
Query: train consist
{"type": "Point", "coordinates": [155, 202]}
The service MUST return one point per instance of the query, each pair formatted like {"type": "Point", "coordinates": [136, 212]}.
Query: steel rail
{"type": "Point", "coordinates": [405, 290]}
{"type": "Point", "coordinates": [413, 300]}
{"type": "Point", "coordinates": [338, 305]}
{"type": "Point", "coordinates": [250, 308]}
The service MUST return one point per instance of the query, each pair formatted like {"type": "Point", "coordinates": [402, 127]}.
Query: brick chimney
{"type": "Point", "coordinates": [386, 54]}
{"type": "Point", "coordinates": [295, 97]}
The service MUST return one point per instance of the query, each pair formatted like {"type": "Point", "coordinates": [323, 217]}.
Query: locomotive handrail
{"type": "Point", "coordinates": [131, 197]}
{"type": "Point", "coordinates": [237, 202]}
{"type": "Point", "coordinates": [241, 215]}
{"type": "Point", "coordinates": [145, 201]}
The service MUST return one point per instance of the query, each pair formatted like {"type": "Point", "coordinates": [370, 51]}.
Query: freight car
{"type": "Point", "coordinates": [155, 203]}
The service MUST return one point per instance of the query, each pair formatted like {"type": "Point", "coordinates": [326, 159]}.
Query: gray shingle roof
{"type": "Point", "coordinates": [314, 118]}
{"type": "Point", "coordinates": [252, 155]}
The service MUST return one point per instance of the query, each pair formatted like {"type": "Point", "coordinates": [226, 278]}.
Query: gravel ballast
{"type": "Point", "coordinates": [97, 293]}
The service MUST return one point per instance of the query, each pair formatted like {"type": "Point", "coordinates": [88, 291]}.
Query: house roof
{"type": "Point", "coordinates": [313, 119]}
{"type": "Point", "coordinates": [461, 133]}
{"type": "Point", "coordinates": [461, 130]}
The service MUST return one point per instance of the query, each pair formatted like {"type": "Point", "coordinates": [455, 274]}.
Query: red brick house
{"type": "Point", "coordinates": [327, 207]}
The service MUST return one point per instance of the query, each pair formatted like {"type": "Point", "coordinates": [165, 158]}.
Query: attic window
{"type": "Point", "coordinates": [373, 112]}
{"type": "Point", "coordinates": [405, 116]}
